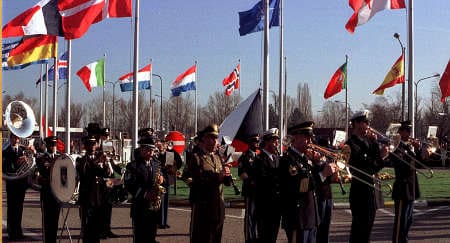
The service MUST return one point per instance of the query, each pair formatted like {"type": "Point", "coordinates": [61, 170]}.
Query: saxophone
{"type": "Point", "coordinates": [156, 192]}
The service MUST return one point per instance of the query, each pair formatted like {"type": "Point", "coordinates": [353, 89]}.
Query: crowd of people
{"type": "Point", "coordinates": [288, 189]}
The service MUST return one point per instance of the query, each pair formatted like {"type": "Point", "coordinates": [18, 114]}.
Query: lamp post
{"type": "Point", "coordinates": [416, 83]}
{"type": "Point", "coordinates": [161, 106]}
{"type": "Point", "coordinates": [113, 129]}
{"type": "Point", "coordinates": [397, 36]}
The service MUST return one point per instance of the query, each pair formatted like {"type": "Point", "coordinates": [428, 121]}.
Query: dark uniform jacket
{"type": "Point", "coordinates": [298, 191]}
{"type": "Point", "coordinates": [10, 158]}
{"type": "Point", "coordinates": [92, 184]}
{"type": "Point", "coordinates": [268, 180]}
{"type": "Point", "coordinates": [406, 185]}
{"type": "Point", "coordinates": [44, 165]}
{"type": "Point", "coordinates": [247, 165]}
{"type": "Point", "coordinates": [365, 156]}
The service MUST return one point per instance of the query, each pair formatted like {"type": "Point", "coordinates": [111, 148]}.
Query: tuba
{"type": "Point", "coordinates": [20, 119]}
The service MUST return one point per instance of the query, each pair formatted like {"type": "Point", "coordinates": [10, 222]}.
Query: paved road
{"type": "Point", "coordinates": [432, 224]}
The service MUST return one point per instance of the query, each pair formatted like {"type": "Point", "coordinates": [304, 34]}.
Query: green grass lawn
{"type": "Point", "coordinates": [438, 187]}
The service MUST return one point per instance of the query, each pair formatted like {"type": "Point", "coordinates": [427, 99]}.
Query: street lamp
{"type": "Point", "coordinates": [416, 83]}
{"type": "Point", "coordinates": [397, 36]}
{"type": "Point", "coordinates": [161, 108]}
{"type": "Point", "coordinates": [113, 129]}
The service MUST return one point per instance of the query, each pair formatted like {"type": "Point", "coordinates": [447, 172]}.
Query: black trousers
{"type": "Point", "coordinates": [403, 220]}
{"type": "Point", "coordinates": [50, 209]}
{"type": "Point", "coordinates": [145, 224]}
{"type": "Point", "coordinates": [15, 195]}
{"type": "Point", "coordinates": [91, 223]}
{"type": "Point", "coordinates": [325, 214]}
{"type": "Point", "coordinates": [362, 222]}
{"type": "Point", "coordinates": [268, 222]}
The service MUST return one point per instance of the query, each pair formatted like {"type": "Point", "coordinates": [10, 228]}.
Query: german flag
{"type": "Point", "coordinates": [33, 49]}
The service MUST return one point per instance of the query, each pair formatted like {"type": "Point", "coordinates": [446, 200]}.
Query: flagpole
{"type": "Point", "coordinates": [346, 99]}
{"type": "Point", "coordinates": [266, 66]}
{"type": "Point", "coordinates": [195, 98]}
{"type": "Point", "coordinates": [411, 67]}
{"type": "Point", "coordinates": [240, 77]}
{"type": "Point", "coordinates": [55, 96]}
{"type": "Point", "coordinates": [68, 84]}
{"type": "Point", "coordinates": [281, 83]}
{"type": "Point", "coordinates": [46, 102]}
{"type": "Point", "coordinates": [135, 71]}
{"type": "Point", "coordinates": [104, 81]}
{"type": "Point", "coordinates": [41, 103]}
{"type": "Point", "coordinates": [150, 94]}
{"type": "Point", "coordinates": [285, 96]}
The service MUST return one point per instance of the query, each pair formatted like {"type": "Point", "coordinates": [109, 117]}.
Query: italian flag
{"type": "Point", "coordinates": [337, 82]}
{"type": "Point", "coordinates": [92, 74]}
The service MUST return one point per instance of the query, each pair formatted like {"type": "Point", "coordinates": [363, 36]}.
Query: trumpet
{"type": "Point", "coordinates": [395, 141]}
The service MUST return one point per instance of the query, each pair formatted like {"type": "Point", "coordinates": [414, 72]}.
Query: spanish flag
{"type": "Point", "coordinates": [395, 76]}
{"type": "Point", "coordinates": [33, 49]}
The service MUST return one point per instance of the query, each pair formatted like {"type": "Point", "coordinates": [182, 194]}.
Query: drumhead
{"type": "Point", "coordinates": [63, 178]}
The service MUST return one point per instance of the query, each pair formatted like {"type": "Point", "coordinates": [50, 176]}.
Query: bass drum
{"type": "Point", "coordinates": [63, 179]}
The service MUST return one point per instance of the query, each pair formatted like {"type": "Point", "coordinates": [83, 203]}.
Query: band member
{"type": "Point", "coordinates": [246, 171]}
{"type": "Point", "coordinates": [171, 162]}
{"type": "Point", "coordinates": [208, 175]}
{"type": "Point", "coordinates": [268, 188]}
{"type": "Point", "coordinates": [13, 157]}
{"type": "Point", "coordinates": [301, 174]}
{"type": "Point", "coordinates": [365, 155]}
{"type": "Point", "coordinates": [92, 168]}
{"type": "Point", "coordinates": [143, 181]}
{"type": "Point", "coordinates": [406, 185]}
{"type": "Point", "coordinates": [108, 204]}
{"type": "Point", "coordinates": [50, 207]}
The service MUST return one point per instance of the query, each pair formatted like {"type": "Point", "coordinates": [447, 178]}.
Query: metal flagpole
{"type": "Point", "coordinates": [69, 61]}
{"type": "Point", "coordinates": [41, 103]}
{"type": "Point", "coordinates": [266, 66]}
{"type": "Point", "coordinates": [55, 96]}
{"type": "Point", "coordinates": [281, 84]}
{"type": "Point", "coordinates": [150, 94]}
{"type": "Point", "coordinates": [46, 102]}
{"type": "Point", "coordinates": [195, 99]}
{"type": "Point", "coordinates": [410, 67]}
{"type": "Point", "coordinates": [104, 84]}
{"type": "Point", "coordinates": [346, 98]}
{"type": "Point", "coordinates": [135, 71]}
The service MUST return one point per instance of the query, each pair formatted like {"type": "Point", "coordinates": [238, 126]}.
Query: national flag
{"type": "Point", "coordinates": [143, 78]}
{"type": "Point", "coordinates": [30, 50]}
{"type": "Point", "coordinates": [253, 20]}
{"type": "Point", "coordinates": [6, 48]}
{"type": "Point", "coordinates": [366, 9]}
{"type": "Point", "coordinates": [184, 82]}
{"type": "Point", "coordinates": [62, 69]}
{"type": "Point", "coordinates": [444, 83]}
{"type": "Point", "coordinates": [244, 121]}
{"type": "Point", "coordinates": [78, 16]}
{"type": "Point", "coordinates": [42, 19]}
{"type": "Point", "coordinates": [232, 81]}
{"type": "Point", "coordinates": [395, 76]}
{"type": "Point", "coordinates": [92, 74]}
{"type": "Point", "coordinates": [337, 82]}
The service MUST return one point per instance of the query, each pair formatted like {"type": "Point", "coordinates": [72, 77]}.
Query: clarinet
{"type": "Point", "coordinates": [235, 188]}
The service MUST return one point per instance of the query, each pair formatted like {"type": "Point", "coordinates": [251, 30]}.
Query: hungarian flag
{"type": "Point", "coordinates": [79, 15]}
{"type": "Point", "coordinates": [444, 83]}
{"type": "Point", "coordinates": [366, 9]}
{"type": "Point", "coordinates": [33, 49]}
{"type": "Point", "coordinates": [42, 19]}
{"type": "Point", "coordinates": [232, 81]}
{"type": "Point", "coordinates": [395, 76]}
{"type": "Point", "coordinates": [92, 74]}
{"type": "Point", "coordinates": [337, 82]}
{"type": "Point", "coordinates": [243, 122]}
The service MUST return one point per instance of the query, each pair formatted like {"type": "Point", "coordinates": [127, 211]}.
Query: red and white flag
{"type": "Point", "coordinates": [79, 15]}
{"type": "Point", "coordinates": [444, 83]}
{"type": "Point", "coordinates": [366, 9]}
{"type": "Point", "coordinates": [232, 81]}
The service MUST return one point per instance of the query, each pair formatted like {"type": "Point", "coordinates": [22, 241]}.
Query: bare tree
{"type": "Point", "coordinates": [76, 113]}
{"type": "Point", "coordinates": [333, 115]}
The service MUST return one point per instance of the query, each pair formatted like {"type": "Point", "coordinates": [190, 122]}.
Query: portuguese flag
{"type": "Point", "coordinates": [337, 82]}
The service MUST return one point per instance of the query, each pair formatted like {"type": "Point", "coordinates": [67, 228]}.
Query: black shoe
{"type": "Point", "coordinates": [111, 235]}
{"type": "Point", "coordinates": [19, 236]}
{"type": "Point", "coordinates": [166, 226]}
{"type": "Point", "coordinates": [103, 236]}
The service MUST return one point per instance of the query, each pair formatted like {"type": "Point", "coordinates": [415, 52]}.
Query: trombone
{"type": "Point", "coordinates": [341, 159]}
{"type": "Point", "coordinates": [394, 147]}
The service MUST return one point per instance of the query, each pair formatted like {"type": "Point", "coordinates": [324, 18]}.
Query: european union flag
{"type": "Point", "coordinates": [253, 20]}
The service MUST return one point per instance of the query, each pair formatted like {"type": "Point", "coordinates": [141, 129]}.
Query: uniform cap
{"type": "Point", "coordinates": [147, 142]}
{"type": "Point", "coordinates": [360, 116]}
{"type": "Point", "coordinates": [89, 140]}
{"type": "Point", "coordinates": [271, 133]}
{"type": "Point", "coordinates": [254, 138]}
{"type": "Point", "coordinates": [305, 128]}
{"type": "Point", "coordinates": [405, 125]}
{"type": "Point", "coordinates": [93, 128]}
{"type": "Point", "coordinates": [145, 132]}
{"type": "Point", "coordinates": [51, 141]}
{"type": "Point", "coordinates": [212, 129]}
{"type": "Point", "coordinates": [105, 131]}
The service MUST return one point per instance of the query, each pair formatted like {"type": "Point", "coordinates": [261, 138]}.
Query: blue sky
{"type": "Point", "coordinates": [175, 33]}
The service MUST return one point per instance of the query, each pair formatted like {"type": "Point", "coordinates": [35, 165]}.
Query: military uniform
{"type": "Point", "coordinates": [141, 181]}
{"type": "Point", "coordinates": [15, 191]}
{"type": "Point", "coordinates": [92, 170]}
{"type": "Point", "coordinates": [406, 187]}
{"type": "Point", "coordinates": [50, 207]}
{"type": "Point", "coordinates": [247, 166]}
{"type": "Point", "coordinates": [206, 190]}
{"type": "Point", "coordinates": [364, 199]}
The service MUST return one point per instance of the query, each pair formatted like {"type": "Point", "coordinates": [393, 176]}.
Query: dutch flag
{"type": "Point", "coordinates": [184, 82]}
